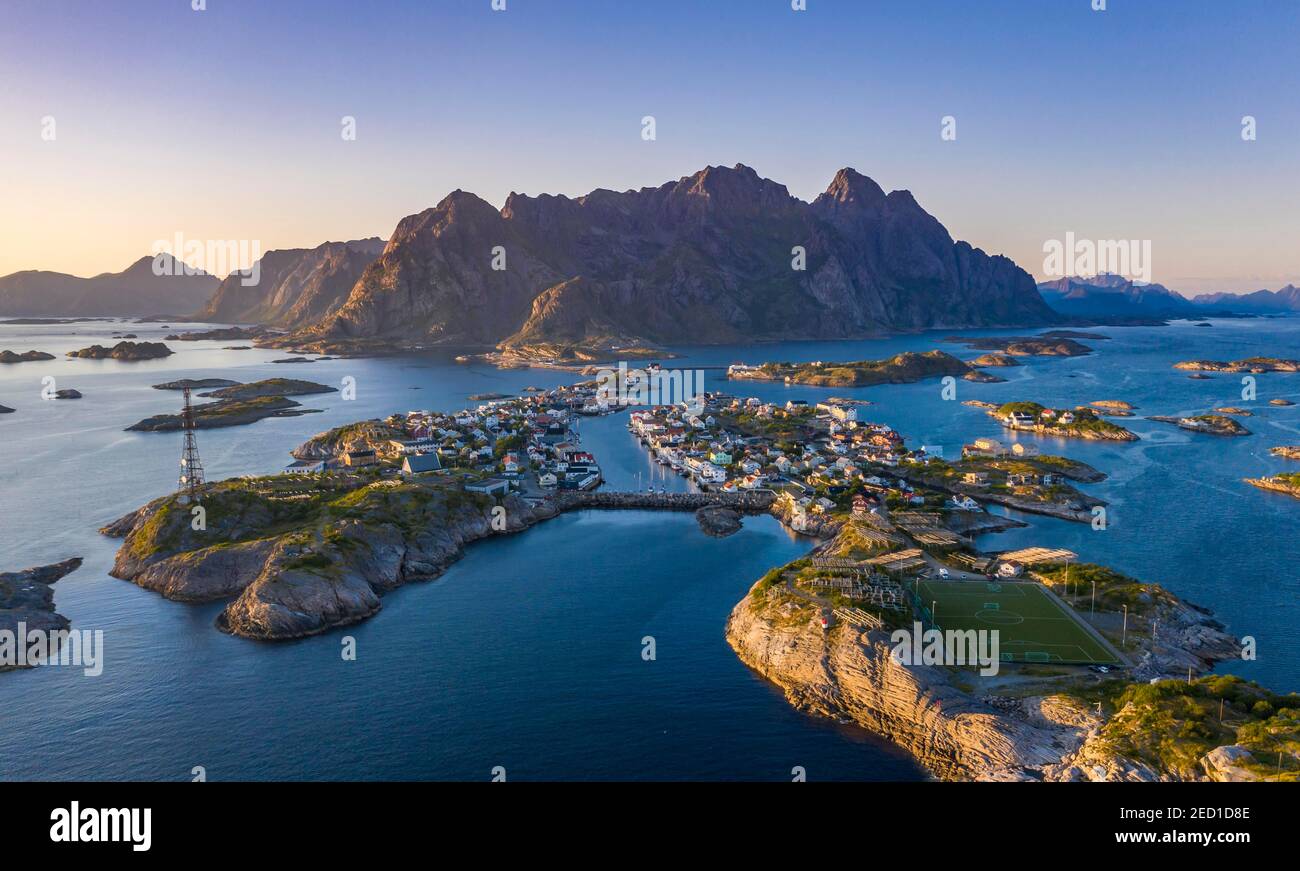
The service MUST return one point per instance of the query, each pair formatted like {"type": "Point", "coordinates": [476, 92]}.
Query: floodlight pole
{"type": "Point", "coordinates": [1123, 638]}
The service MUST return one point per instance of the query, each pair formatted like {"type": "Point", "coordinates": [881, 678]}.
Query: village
{"type": "Point", "coordinates": [529, 445]}
{"type": "Point", "coordinates": [897, 524]}
{"type": "Point", "coordinates": [894, 521]}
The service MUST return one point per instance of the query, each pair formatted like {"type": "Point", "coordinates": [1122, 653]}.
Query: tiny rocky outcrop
{"type": "Point", "coordinates": [124, 351]}
{"type": "Point", "coordinates": [718, 521]}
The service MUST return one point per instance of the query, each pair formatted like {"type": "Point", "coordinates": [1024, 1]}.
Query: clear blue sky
{"type": "Point", "coordinates": [225, 123]}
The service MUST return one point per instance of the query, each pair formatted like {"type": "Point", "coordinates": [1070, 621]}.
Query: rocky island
{"type": "Point", "coordinates": [718, 521]}
{"type": "Point", "coordinates": [1286, 482]}
{"type": "Point", "coordinates": [9, 357]}
{"type": "Point", "coordinates": [1286, 452]}
{"type": "Point", "coordinates": [237, 404]}
{"type": "Point", "coordinates": [269, 387]}
{"type": "Point", "coordinates": [298, 566]}
{"type": "Point", "coordinates": [225, 334]}
{"type": "Point", "coordinates": [834, 655]}
{"type": "Point", "coordinates": [128, 351]}
{"type": "Point", "coordinates": [223, 413]}
{"type": "Point", "coordinates": [1081, 423]}
{"type": "Point", "coordinates": [1046, 345]}
{"type": "Point", "coordinates": [196, 384]}
{"type": "Point", "coordinates": [904, 368]}
{"type": "Point", "coordinates": [1214, 424]}
{"type": "Point", "coordinates": [1256, 365]}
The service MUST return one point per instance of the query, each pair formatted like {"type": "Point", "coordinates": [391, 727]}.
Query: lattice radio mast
{"type": "Point", "coordinates": [191, 479]}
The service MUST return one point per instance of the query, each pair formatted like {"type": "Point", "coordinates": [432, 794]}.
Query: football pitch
{"type": "Point", "coordinates": [1032, 626]}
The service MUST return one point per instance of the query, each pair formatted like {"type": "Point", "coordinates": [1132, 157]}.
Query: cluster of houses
{"type": "Point", "coordinates": [503, 439]}
{"type": "Point", "coordinates": [1046, 417]}
{"type": "Point", "coordinates": [722, 444]}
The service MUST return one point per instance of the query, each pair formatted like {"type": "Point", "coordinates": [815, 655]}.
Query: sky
{"type": "Point", "coordinates": [126, 122]}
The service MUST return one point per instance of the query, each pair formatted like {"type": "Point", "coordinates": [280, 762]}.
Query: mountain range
{"type": "Point", "coordinates": [1113, 297]}
{"type": "Point", "coordinates": [712, 257]}
{"type": "Point", "coordinates": [134, 292]}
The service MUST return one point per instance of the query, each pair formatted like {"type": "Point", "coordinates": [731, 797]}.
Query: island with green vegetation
{"type": "Point", "coordinates": [904, 368]}
{"type": "Point", "coordinates": [236, 404]}
{"type": "Point", "coordinates": [1078, 423]}
{"type": "Point", "coordinates": [196, 384]}
{"type": "Point", "coordinates": [298, 556]}
{"type": "Point", "coordinates": [1058, 344]}
{"type": "Point", "coordinates": [1214, 424]}
{"type": "Point", "coordinates": [1035, 485]}
{"type": "Point", "coordinates": [270, 387]}
{"type": "Point", "coordinates": [823, 629]}
{"type": "Point", "coordinates": [1284, 482]}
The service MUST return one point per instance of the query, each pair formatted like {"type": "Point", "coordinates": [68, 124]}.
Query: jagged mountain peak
{"type": "Point", "coordinates": [851, 186]}
{"type": "Point", "coordinates": [705, 258]}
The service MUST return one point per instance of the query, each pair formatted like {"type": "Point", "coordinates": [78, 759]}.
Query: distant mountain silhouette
{"type": "Point", "coordinates": [134, 292]}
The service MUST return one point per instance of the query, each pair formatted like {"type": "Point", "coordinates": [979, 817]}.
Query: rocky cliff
{"type": "Point", "coordinates": [294, 287]}
{"type": "Point", "coordinates": [708, 258]}
{"type": "Point", "coordinates": [298, 567]}
{"type": "Point", "coordinates": [1020, 728]}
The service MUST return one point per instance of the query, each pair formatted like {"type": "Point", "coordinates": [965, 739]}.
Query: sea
{"type": "Point", "coordinates": [529, 659]}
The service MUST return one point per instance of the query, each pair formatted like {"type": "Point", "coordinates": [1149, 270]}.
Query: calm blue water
{"type": "Point", "coordinates": [526, 654]}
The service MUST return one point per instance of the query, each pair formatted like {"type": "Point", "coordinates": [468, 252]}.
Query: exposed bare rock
{"type": "Point", "coordinates": [707, 258]}
{"type": "Point", "coordinates": [27, 597]}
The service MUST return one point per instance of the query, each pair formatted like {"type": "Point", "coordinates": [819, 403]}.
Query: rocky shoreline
{"type": "Point", "coordinates": [27, 597]}
{"type": "Point", "coordinates": [331, 569]}
{"type": "Point", "coordinates": [1213, 424]}
{"type": "Point", "coordinates": [1027, 730]}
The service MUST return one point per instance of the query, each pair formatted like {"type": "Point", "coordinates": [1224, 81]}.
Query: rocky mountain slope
{"type": "Point", "coordinates": [295, 286]}
{"type": "Point", "coordinates": [707, 258]}
{"type": "Point", "coordinates": [134, 292]}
